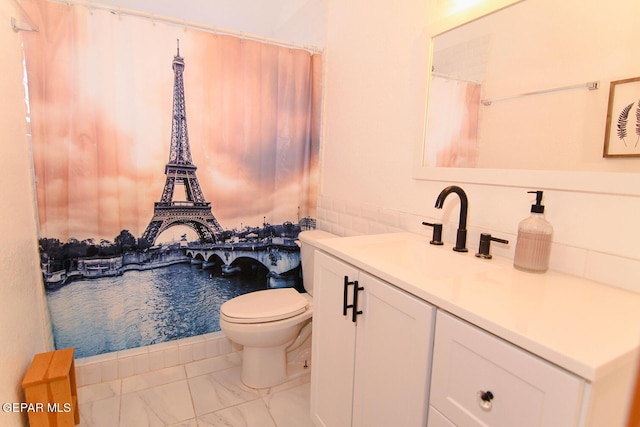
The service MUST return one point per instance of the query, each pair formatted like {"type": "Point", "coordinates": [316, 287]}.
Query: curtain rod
{"type": "Point", "coordinates": [22, 26]}
{"type": "Point", "coordinates": [118, 11]}
{"type": "Point", "coordinates": [588, 85]}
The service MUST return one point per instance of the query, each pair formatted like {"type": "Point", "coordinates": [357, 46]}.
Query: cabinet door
{"type": "Point", "coordinates": [333, 344]}
{"type": "Point", "coordinates": [393, 356]}
{"type": "Point", "coordinates": [526, 391]}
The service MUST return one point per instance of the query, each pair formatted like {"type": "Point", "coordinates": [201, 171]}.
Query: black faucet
{"type": "Point", "coordinates": [461, 238]}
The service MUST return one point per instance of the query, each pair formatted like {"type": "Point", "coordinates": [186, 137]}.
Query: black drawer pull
{"type": "Point", "coordinates": [485, 398]}
{"type": "Point", "coordinates": [355, 310]}
{"type": "Point", "coordinates": [344, 301]}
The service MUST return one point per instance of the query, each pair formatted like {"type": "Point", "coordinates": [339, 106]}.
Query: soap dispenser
{"type": "Point", "coordinates": [533, 246]}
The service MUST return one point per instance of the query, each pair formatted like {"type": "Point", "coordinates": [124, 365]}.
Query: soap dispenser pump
{"type": "Point", "coordinates": [533, 247]}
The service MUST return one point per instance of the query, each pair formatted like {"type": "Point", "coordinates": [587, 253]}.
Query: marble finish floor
{"type": "Point", "coordinates": [202, 393]}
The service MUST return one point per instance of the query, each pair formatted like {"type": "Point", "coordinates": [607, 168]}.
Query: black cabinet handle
{"type": "Point", "coordinates": [345, 292]}
{"type": "Point", "coordinates": [355, 310]}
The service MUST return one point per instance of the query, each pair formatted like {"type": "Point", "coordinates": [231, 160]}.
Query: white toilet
{"type": "Point", "coordinates": [267, 322]}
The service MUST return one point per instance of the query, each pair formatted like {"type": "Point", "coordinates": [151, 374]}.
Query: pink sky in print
{"type": "Point", "coordinates": [101, 95]}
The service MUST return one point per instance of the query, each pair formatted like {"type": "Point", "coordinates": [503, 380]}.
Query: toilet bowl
{"type": "Point", "coordinates": [267, 322]}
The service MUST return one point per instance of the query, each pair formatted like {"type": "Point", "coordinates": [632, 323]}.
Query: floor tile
{"type": "Point", "coordinates": [249, 414]}
{"type": "Point", "coordinates": [158, 406]}
{"type": "Point", "coordinates": [197, 394]}
{"type": "Point", "coordinates": [290, 407]}
{"type": "Point", "coordinates": [99, 391]}
{"type": "Point", "coordinates": [152, 379]}
{"type": "Point", "coordinates": [296, 381]}
{"type": "Point", "coordinates": [219, 390]}
{"type": "Point", "coordinates": [188, 423]}
{"type": "Point", "coordinates": [100, 413]}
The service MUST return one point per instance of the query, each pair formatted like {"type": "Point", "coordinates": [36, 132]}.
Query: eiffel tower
{"type": "Point", "coordinates": [195, 212]}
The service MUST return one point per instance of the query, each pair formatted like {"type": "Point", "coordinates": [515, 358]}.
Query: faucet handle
{"type": "Point", "coordinates": [484, 250]}
{"type": "Point", "coordinates": [437, 233]}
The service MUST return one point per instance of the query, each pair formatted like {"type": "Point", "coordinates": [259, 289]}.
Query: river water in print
{"type": "Point", "coordinates": [141, 308]}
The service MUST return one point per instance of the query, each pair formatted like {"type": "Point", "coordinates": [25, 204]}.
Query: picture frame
{"type": "Point", "coordinates": [622, 135]}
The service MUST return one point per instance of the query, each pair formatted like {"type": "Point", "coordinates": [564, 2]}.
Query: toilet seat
{"type": "Point", "coordinates": [264, 306]}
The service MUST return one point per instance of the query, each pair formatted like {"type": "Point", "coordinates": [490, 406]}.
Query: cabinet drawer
{"type": "Point", "coordinates": [436, 419]}
{"type": "Point", "coordinates": [526, 391]}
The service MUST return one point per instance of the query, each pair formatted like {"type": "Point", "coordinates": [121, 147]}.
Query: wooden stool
{"type": "Point", "coordinates": [50, 390]}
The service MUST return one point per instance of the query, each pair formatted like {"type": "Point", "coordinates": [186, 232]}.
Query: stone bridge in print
{"type": "Point", "coordinates": [280, 256]}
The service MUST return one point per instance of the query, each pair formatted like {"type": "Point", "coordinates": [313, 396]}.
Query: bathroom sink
{"type": "Point", "coordinates": [409, 254]}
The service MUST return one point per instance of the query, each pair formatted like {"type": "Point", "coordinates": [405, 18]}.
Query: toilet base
{"type": "Point", "coordinates": [264, 367]}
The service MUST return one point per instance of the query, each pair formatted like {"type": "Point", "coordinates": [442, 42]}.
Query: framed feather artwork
{"type": "Point", "coordinates": [622, 136]}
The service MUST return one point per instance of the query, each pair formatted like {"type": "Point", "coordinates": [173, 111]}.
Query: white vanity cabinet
{"type": "Point", "coordinates": [554, 350]}
{"type": "Point", "coordinates": [481, 380]}
{"type": "Point", "coordinates": [371, 369]}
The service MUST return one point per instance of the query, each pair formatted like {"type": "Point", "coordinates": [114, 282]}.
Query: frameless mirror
{"type": "Point", "coordinates": [518, 95]}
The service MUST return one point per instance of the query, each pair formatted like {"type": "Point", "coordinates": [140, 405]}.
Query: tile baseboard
{"type": "Point", "coordinates": [140, 360]}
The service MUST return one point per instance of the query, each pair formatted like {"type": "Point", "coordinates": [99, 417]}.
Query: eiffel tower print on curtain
{"type": "Point", "coordinates": [195, 212]}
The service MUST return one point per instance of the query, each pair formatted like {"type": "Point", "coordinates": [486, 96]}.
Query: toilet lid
{"type": "Point", "coordinates": [264, 306]}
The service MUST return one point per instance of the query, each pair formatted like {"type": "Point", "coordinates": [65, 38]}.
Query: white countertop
{"type": "Point", "coordinates": [580, 325]}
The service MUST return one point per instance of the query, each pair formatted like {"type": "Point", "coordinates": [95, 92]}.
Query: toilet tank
{"type": "Point", "coordinates": [308, 240]}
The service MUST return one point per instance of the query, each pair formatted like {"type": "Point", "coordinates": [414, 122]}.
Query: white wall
{"type": "Point", "coordinates": [375, 60]}
{"type": "Point", "coordinates": [23, 315]}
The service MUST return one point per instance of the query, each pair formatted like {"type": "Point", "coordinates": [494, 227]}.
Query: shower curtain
{"type": "Point", "coordinates": [101, 94]}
